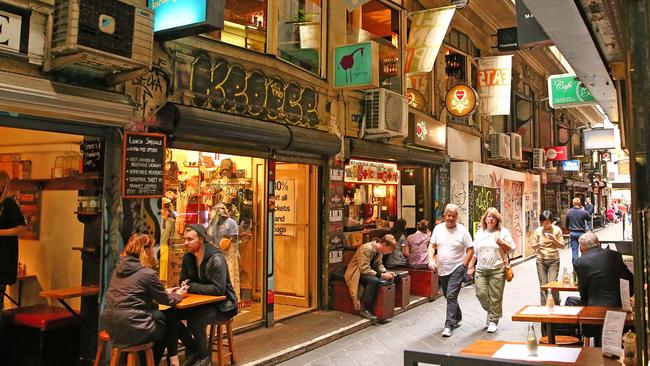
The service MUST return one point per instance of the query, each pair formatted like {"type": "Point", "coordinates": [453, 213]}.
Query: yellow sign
{"type": "Point", "coordinates": [461, 100]}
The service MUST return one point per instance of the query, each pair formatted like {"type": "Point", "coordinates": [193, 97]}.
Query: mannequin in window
{"type": "Point", "coordinates": [225, 233]}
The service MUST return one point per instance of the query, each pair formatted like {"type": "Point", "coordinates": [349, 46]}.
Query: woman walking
{"type": "Point", "coordinates": [547, 241]}
{"type": "Point", "coordinates": [492, 243]}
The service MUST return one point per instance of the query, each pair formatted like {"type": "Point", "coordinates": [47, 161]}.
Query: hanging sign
{"type": "Point", "coordinates": [461, 100]}
{"type": "Point", "coordinates": [426, 131]}
{"type": "Point", "coordinates": [356, 66]}
{"type": "Point", "coordinates": [143, 165]}
{"type": "Point", "coordinates": [566, 90]}
{"type": "Point", "coordinates": [556, 153]}
{"type": "Point", "coordinates": [495, 84]}
{"type": "Point", "coordinates": [14, 29]}
{"type": "Point", "coordinates": [529, 32]}
{"type": "Point", "coordinates": [361, 171]}
{"type": "Point", "coordinates": [182, 18]}
{"type": "Point", "coordinates": [427, 33]}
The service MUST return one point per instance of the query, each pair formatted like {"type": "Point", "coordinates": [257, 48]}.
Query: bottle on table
{"type": "Point", "coordinates": [629, 348]}
{"type": "Point", "coordinates": [550, 302]}
{"type": "Point", "coordinates": [566, 279]}
{"type": "Point", "coordinates": [531, 341]}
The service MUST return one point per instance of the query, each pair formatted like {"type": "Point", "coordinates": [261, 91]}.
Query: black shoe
{"type": "Point", "coordinates": [207, 361]}
{"type": "Point", "coordinates": [368, 315]}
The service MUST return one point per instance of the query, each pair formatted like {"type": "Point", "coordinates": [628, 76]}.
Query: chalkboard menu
{"type": "Point", "coordinates": [143, 165]}
{"type": "Point", "coordinates": [92, 150]}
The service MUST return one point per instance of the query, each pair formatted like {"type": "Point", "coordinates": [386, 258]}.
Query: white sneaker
{"type": "Point", "coordinates": [446, 332]}
{"type": "Point", "coordinates": [492, 327]}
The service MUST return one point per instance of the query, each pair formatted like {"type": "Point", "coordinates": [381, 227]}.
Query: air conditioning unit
{"type": "Point", "coordinates": [499, 146]}
{"type": "Point", "coordinates": [515, 146]}
{"type": "Point", "coordinates": [386, 113]}
{"type": "Point", "coordinates": [102, 34]}
{"type": "Point", "coordinates": [539, 159]}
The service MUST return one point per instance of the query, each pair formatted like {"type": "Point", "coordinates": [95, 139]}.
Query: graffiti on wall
{"type": "Point", "coordinates": [211, 83]}
{"type": "Point", "coordinates": [484, 197]}
{"type": "Point", "coordinates": [511, 211]}
{"type": "Point", "coordinates": [149, 93]}
{"type": "Point", "coordinates": [459, 197]}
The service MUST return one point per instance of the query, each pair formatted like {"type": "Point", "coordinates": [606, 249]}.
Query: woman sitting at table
{"type": "Point", "coordinates": [492, 243]}
{"type": "Point", "coordinates": [547, 241]}
{"type": "Point", "coordinates": [131, 316]}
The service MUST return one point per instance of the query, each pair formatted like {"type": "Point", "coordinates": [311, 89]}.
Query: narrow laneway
{"type": "Point", "coordinates": [420, 328]}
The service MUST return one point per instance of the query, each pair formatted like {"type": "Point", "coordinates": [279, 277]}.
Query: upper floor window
{"type": "Point", "coordinates": [460, 67]}
{"type": "Point", "coordinates": [376, 21]}
{"type": "Point", "coordinates": [245, 23]}
{"type": "Point", "coordinates": [299, 33]}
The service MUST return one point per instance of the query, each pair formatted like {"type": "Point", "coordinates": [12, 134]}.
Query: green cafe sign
{"type": "Point", "coordinates": [566, 90]}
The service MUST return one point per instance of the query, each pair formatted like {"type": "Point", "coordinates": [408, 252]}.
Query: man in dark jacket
{"type": "Point", "coordinates": [206, 271]}
{"type": "Point", "coordinates": [589, 207]}
{"type": "Point", "coordinates": [599, 272]}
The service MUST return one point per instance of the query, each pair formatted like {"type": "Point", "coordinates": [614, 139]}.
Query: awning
{"type": "Point", "coordinates": [42, 99]}
{"type": "Point", "coordinates": [199, 129]}
{"type": "Point", "coordinates": [356, 148]}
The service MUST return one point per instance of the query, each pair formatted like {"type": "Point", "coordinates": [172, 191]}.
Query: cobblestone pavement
{"type": "Point", "coordinates": [420, 328]}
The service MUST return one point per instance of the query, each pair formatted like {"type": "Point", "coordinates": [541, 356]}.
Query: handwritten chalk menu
{"type": "Point", "coordinates": [92, 151]}
{"type": "Point", "coordinates": [144, 165]}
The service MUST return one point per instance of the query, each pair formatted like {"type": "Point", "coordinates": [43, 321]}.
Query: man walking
{"type": "Point", "coordinates": [576, 219]}
{"type": "Point", "coordinates": [450, 250]}
{"type": "Point", "coordinates": [589, 207]}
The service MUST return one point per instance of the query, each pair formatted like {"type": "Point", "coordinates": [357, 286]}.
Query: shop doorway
{"type": "Point", "coordinates": [295, 239]}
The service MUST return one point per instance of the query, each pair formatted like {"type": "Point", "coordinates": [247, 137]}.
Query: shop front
{"type": "Point", "coordinates": [57, 142]}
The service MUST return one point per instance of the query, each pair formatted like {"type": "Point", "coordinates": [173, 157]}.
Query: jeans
{"type": "Point", "coordinates": [194, 336]}
{"type": "Point", "coordinates": [590, 224]}
{"type": "Point", "coordinates": [450, 285]}
{"type": "Point", "coordinates": [547, 270]}
{"type": "Point", "coordinates": [489, 284]}
{"type": "Point", "coordinates": [574, 235]}
{"type": "Point", "coordinates": [369, 291]}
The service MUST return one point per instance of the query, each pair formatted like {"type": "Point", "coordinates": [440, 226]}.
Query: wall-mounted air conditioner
{"type": "Point", "coordinates": [102, 34]}
{"type": "Point", "coordinates": [499, 146]}
{"type": "Point", "coordinates": [515, 146]}
{"type": "Point", "coordinates": [539, 159]}
{"type": "Point", "coordinates": [386, 113]}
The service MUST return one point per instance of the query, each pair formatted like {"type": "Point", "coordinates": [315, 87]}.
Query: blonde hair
{"type": "Point", "coordinates": [4, 185]}
{"type": "Point", "coordinates": [136, 247]}
{"type": "Point", "coordinates": [495, 213]}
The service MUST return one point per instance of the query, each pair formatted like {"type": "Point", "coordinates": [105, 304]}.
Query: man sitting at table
{"type": "Point", "coordinates": [205, 269]}
{"type": "Point", "coordinates": [599, 271]}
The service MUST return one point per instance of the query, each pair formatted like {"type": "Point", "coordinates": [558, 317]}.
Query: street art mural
{"type": "Point", "coordinates": [511, 212]}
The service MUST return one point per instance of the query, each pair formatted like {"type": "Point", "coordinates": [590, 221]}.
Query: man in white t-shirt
{"type": "Point", "coordinates": [450, 251]}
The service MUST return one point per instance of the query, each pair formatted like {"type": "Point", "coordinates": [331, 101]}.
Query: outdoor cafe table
{"type": "Point", "coordinates": [595, 315]}
{"type": "Point", "coordinates": [561, 315]}
{"type": "Point", "coordinates": [589, 356]}
{"type": "Point", "coordinates": [557, 286]}
{"type": "Point", "coordinates": [192, 300]}
{"type": "Point", "coordinates": [70, 292]}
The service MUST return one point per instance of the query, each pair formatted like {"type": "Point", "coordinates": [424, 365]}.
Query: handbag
{"type": "Point", "coordinates": [507, 269]}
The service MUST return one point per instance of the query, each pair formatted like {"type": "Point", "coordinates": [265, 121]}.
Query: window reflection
{"type": "Point", "coordinates": [244, 24]}
{"type": "Point", "coordinates": [299, 33]}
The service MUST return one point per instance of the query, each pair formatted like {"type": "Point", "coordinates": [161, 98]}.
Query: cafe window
{"type": "Point", "coordinates": [376, 21]}
{"type": "Point", "coordinates": [245, 23]}
{"type": "Point", "coordinates": [200, 184]}
{"type": "Point", "coordinates": [300, 33]}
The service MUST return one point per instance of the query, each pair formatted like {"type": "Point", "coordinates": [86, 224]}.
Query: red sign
{"type": "Point", "coordinates": [556, 153]}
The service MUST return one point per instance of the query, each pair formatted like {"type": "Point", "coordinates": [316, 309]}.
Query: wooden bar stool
{"type": "Point", "coordinates": [219, 344]}
{"type": "Point", "coordinates": [103, 339]}
{"type": "Point", "coordinates": [132, 355]}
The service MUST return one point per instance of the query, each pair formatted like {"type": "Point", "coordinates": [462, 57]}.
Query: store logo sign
{"type": "Point", "coordinates": [14, 29]}
{"type": "Point", "coordinates": [556, 153]}
{"type": "Point", "coordinates": [426, 131]}
{"type": "Point", "coordinates": [461, 100]}
{"type": "Point", "coordinates": [566, 90]}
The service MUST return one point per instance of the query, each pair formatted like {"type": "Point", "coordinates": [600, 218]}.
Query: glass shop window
{"type": "Point", "coordinates": [244, 24]}
{"type": "Point", "coordinates": [300, 33]}
{"type": "Point", "coordinates": [375, 21]}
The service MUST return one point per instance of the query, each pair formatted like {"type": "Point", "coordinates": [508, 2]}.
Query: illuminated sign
{"type": "Point", "coordinates": [571, 165]}
{"type": "Point", "coordinates": [566, 90]}
{"type": "Point", "coordinates": [461, 100]}
{"type": "Point", "coordinates": [599, 139]}
{"type": "Point", "coordinates": [361, 171]}
{"type": "Point", "coordinates": [426, 131]}
{"type": "Point", "coordinates": [181, 18]}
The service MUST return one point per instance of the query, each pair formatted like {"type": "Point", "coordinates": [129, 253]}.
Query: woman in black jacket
{"type": "Point", "coordinates": [131, 316]}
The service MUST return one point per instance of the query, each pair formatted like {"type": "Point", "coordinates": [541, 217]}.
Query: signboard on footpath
{"type": "Point", "coordinates": [566, 90]}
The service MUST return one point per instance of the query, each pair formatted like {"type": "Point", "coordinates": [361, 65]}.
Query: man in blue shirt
{"type": "Point", "coordinates": [576, 223]}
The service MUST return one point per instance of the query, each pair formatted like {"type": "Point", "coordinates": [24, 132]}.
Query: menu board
{"type": "Point", "coordinates": [92, 154]}
{"type": "Point", "coordinates": [143, 165]}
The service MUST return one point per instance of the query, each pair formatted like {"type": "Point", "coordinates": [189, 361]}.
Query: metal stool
{"type": "Point", "coordinates": [219, 344]}
{"type": "Point", "coordinates": [132, 355]}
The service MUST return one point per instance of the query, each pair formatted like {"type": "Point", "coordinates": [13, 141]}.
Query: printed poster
{"type": "Point", "coordinates": [427, 33]}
